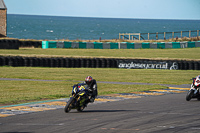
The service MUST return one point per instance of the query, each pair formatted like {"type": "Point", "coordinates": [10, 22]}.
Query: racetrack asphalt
{"type": "Point", "coordinates": [156, 112]}
{"type": "Point", "coordinates": [151, 114]}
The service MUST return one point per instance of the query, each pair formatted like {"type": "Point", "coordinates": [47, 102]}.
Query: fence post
{"type": "Point", "coordinates": [197, 33]}
{"type": "Point", "coordinates": [189, 33]}
{"type": "Point", "coordinates": [164, 36]}
{"type": "Point", "coordinates": [139, 36]}
{"type": "Point", "coordinates": [148, 36]}
{"type": "Point", "coordinates": [181, 34]}
{"type": "Point", "coordinates": [156, 35]}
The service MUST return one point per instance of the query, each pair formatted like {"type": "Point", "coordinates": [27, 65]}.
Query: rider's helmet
{"type": "Point", "coordinates": [88, 80]}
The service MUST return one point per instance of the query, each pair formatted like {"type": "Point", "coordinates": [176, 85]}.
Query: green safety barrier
{"type": "Point", "coordinates": [114, 46]}
{"type": "Point", "coordinates": [176, 45]}
{"type": "Point", "coordinates": [49, 44]}
{"type": "Point", "coordinates": [98, 45]}
{"type": "Point", "coordinates": [53, 44]}
{"type": "Point", "coordinates": [45, 44]}
{"type": "Point", "coordinates": [161, 45]}
{"type": "Point", "coordinates": [145, 45]}
{"type": "Point", "coordinates": [130, 45]}
{"type": "Point", "coordinates": [121, 45]}
{"type": "Point", "coordinates": [83, 45]}
{"type": "Point", "coordinates": [67, 44]}
{"type": "Point", "coordinates": [191, 44]}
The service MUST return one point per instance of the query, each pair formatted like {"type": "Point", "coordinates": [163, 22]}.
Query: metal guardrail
{"type": "Point", "coordinates": [163, 35]}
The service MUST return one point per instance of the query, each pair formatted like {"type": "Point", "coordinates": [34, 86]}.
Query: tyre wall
{"type": "Point", "coordinates": [9, 44]}
{"type": "Point", "coordinates": [35, 44]}
{"type": "Point", "coordinates": [15, 44]}
{"type": "Point", "coordinates": [18, 61]}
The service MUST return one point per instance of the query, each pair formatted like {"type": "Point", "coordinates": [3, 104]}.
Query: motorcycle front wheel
{"type": "Point", "coordinates": [69, 105]}
{"type": "Point", "coordinates": [80, 109]}
{"type": "Point", "coordinates": [189, 95]}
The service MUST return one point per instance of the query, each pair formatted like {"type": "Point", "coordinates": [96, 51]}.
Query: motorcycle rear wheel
{"type": "Point", "coordinates": [69, 105]}
{"type": "Point", "coordinates": [189, 95]}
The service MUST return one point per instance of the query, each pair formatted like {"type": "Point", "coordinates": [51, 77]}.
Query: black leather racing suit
{"type": "Point", "coordinates": [92, 87]}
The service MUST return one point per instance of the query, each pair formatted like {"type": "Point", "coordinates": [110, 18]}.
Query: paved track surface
{"type": "Point", "coordinates": [164, 113]}
{"type": "Point", "coordinates": [145, 112]}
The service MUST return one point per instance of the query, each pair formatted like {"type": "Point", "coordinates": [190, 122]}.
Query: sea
{"type": "Point", "coordinates": [85, 28]}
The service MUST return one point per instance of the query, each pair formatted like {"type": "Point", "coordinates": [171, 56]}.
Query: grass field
{"type": "Point", "coordinates": [13, 92]}
{"type": "Point", "coordinates": [187, 53]}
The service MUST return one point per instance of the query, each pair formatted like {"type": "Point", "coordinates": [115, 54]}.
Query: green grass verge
{"type": "Point", "coordinates": [101, 74]}
{"type": "Point", "coordinates": [187, 53]}
{"type": "Point", "coordinates": [15, 92]}
{"type": "Point", "coordinates": [12, 92]}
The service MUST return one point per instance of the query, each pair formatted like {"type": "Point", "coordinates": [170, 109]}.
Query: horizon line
{"type": "Point", "coordinates": [100, 17]}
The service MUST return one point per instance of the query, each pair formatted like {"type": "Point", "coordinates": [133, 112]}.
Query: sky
{"type": "Point", "coordinates": [143, 9]}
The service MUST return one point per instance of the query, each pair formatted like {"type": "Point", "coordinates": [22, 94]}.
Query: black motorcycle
{"type": "Point", "coordinates": [79, 98]}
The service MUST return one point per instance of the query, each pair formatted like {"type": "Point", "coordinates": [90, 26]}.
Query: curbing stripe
{"type": "Point", "coordinates": [123, 96]}
{"type": "Point", "coordinates": [5, 115]}
{"type": "Point", "coordinates": [55, 103]}
{"type": "Point", "coordinates": [179, 88]}
{"type": "Point", "coordinates": [169, 91]}
{"type": "Point", "coordinates": [16, 108]}
{"type": "Point", "coordinates": [36, 109]}
{"type": "Point", "coordinates": [104, 100]}
{"type": "Point", "coordinates": [148, 93]}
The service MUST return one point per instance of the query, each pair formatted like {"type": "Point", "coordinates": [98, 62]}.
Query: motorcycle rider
{"type": "Point", "coordinates": [197, 79]}
{"type": "Point", "coordinates": [194, 91]}
{"type": "Point", "coordinates": [92, 87]}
